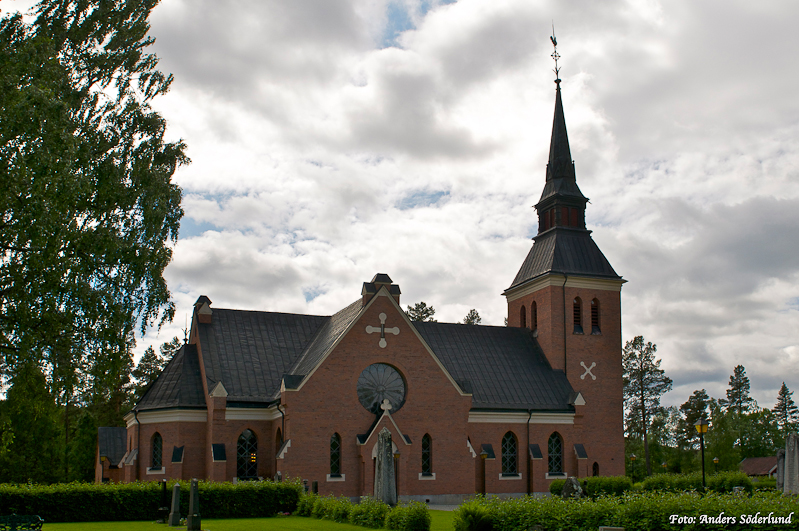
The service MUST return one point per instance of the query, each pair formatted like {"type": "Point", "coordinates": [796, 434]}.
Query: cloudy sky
{"type": "Point", "coordinates": [334, 139]}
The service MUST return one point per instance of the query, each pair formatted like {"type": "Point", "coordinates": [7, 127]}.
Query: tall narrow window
{"type": "Point", "coordinates": [335, 456]}
{"type": "Point", "coordinates": [534, 316]}
{"type": "Point", "coordinates": [574, 221]}
{"type": "Point", "coordinates": [509, 454]}
{"type": "Point", "coordinates": [552, 217]}
{"type": "Point", "coordinates": [595, 317]}
{"type": "Point", "coordinates": [523, 317]}
{"type": "Point", "coordinates": [564, 216]}
{"type": "Point", "coordinates": [578, 316]}
{"type": "Point", "coordinates": [158, 451]}
{"type": "Point", "coordinates": [555, 454]}
{"type": "Point", "coordinates": [427, 455]}
{"type": "Point", "coordinates": [247, 455]}
{"type": "Point", "coordinates": [595, 469]}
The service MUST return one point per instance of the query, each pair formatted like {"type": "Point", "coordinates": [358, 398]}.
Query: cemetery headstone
{"type": "Point", "coordinates": [193, 519]}
{"type": "Point", "coordinates": [174, 514]}
{"type": "Point", "coordinates": [791, 473]}
{"type": "Point", "coordinates": [571, 489]}
{"type": "Point", "coordinates": [780, 469]}
{"type": "Point", "coordinates": [385, 484]}
{"type": "Point", "coordinates": [163, 509]}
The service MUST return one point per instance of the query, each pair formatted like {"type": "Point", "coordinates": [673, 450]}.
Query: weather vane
{"type": "Point", "coordinates": [555, 54]}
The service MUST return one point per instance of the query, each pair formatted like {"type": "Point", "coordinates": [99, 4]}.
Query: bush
{"type": "Point", "coordinates": [369, 513]}
{"type": "Point", "coordinates": [474, 516]}
{"type": "Point", "coordinates": [556, 486]}
{"type": "Point", "coordinates": [305, 505]}
{"type": "Point", "coordinates": [89, 502]}
{"type": "Point", "coordinates": [597, 485]}
{"type": "Point", "coordinates": [411, 517]}
{"type": "Point", "coordinates": [765, 484]}
{"type": "Point", "coordinates": [726, 481]}
{"type": "Point", "coordinates": [721, 482]}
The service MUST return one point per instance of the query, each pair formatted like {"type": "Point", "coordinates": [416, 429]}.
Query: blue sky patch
{"type": "Point", "coordinates": [312, 293]}
{"type": "Point", "coordinates": [421, 198]}
{"type": "Point", "coordinates": [399, 20]}
{"type": "Point", "coordinates": [189, 227]}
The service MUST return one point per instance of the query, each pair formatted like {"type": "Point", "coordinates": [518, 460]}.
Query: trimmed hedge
{"type": "Point", "coordinates": [643, 511]}
{"type": "Point", "coordinates": [369, 513]}
{"type": "Point", "coordinates": [89, 502]}
{"type": "Point", "coordinates": [597, 485]}
{"type": "Point", "coordinates": [721, 482]}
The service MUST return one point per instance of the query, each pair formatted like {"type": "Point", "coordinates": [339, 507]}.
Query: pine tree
{"type": "Point", "coordinates": [472, 318]}
{"type": "Point", "coordinates": [786, 412]}
{"type": "Point", "coordinates": [148, 369]}
{"type": "Point", "coordinates": [738, 399]}
{"type": "Point", "coordinates": [694, 409]}
{"type": "Point", "coordinates": [421, 312]}
{"type": "Point", "coordinates": [644, 383]}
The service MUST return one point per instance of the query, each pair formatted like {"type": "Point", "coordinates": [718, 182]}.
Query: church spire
{"type": "Point", "coordinates": [562, 204]}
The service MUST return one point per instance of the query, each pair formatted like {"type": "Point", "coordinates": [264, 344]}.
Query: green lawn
{"type": "Point", "coordinates": [442, 521]}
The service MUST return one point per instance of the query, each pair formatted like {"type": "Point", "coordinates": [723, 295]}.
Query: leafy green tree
{"type": "Point", "coordinates": [758, 434]}
{"type": "Point", "coordinates": [738, 399]}
{"type": "Point", "coordinates": [721, 439]}
{"type": "Point", "coordinates": [421, 312]}
{"type": "Point", "coordinates": [472, 318]}
{"type": "Point", "coordinates": [786, 412]}
{"type": "Point", "coordinates": [87, 206]}
{"type": "Point", "coordinates": [644, 383]}
{"type": "Point", "coordinates": [695, 408]}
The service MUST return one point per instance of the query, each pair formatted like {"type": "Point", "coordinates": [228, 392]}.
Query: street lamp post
{"type": "Point", "coordinates": [664, 465]}
{"type": "Point", "coordinates": [632, 460]}
{"type": "Point", "coordinates": [701, 428]}
{"type": "Point", "coordinates": [716, 464]}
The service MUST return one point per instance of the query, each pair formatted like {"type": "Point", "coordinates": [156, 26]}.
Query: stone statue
{"type": "Point", "coordinates": [791, 474]}
{"type": "Point", "coordinates": [385, 484]}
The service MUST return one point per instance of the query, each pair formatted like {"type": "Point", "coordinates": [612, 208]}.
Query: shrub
{"type": "Point", "coordinates": [305, 505]}
{"type": "Point", "coordinates": [88, 502]}
{"type": "Point", "coordinates": [726, 481]}
{"type": "Point", "coordinates": [369, 513]}
{"type": "Point", "coordinates": [474, 516]}
{"type": "Point", "coordinates": [597, 485]}
{"type": "Point", "coordinates": [765, 484]}
{"type": "Point", "coordinates": [411, 517]}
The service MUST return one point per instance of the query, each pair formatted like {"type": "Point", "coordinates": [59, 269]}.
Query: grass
{"type": "Point", "coordinates": [442, 521]}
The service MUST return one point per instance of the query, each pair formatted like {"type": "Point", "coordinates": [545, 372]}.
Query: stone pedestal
{"type": "Point", "coordinates": [193, 520]}
{"type": "Point", "coordinates": [385, 480]}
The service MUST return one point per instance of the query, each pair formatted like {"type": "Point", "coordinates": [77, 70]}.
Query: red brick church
{"type": "Point", "coordinates": [499, 410]}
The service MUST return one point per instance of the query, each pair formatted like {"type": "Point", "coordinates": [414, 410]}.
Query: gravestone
{"type": "Point", "coordinates": [780, 469]}
{"type": "Point", "coordinates": [571, 489]}
{"type": "Point", "coordinates": [174, 514]}
{"type": "Point", "coordinates": [163, 509]}
{"type": "Point", "coordinates": [791, 474]}
{"type": "Point", "coordinates": [193, 519]}
{"type": "Point", "coordinates": [385, 484]}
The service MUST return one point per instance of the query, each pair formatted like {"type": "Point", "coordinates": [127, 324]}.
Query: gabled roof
{"type": "Point", "coordinates": [178, 385]}
{"type": "Point", "coordinates": [251, 351]}
{"type": "Point", "coordinates": [504, 367]}
{"type": "Point", "coordinates": [758, 466]}
{"type": "Point", "coordinates": [111, 443]}
{"type": "Point", "coordinates": [567, 251]}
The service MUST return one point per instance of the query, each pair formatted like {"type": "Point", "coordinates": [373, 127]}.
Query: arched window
{"type": "Point", "coordinates": [157, 451]}
{"type": "Point", "coordinates": [555, 454]}
{"type": "Point", "coordinates": [595, 469]}
{"type": "Point", "coordinates": [335, 456]}
{"type": "Point", "coordinates": [247, 455]}
{"type": "Point", "coordinates": [534, 316]}
{"type": "Point", "coordinates": [578, 316]}
{"type": "Point", "coordinates": [509, 461]}
{"type": "Point", "coordinates": [427, 455]}
{"type": "Point", "coordinates": [595, 317]}
{"type": "Point", "coordinates": [523, 317]}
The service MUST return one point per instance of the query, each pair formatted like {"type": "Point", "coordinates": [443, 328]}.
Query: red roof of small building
{"type": "Point", "coordinates": [758, 466]}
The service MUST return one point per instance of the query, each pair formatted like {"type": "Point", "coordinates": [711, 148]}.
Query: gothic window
{"type": "Point", "coordinates": [157, 451]}
{"type": "Point", "coordinates": [523, 317]}
{"type": "Point", "coordinates": [335, 456]}
{"type": "Point", "coordinates": [247, 455]}
{"type": "Point", "coordinates": [427, 455]}
{"type": "Point", "coordinates": [595, 317]}
{"type": "Point", "coordinates": [534, 316]}
{"type": "Point", "coordinates": [578, 316]}
{"type": "Point", "coordinates": [595, 469]}
{"type": "Point", "coordinates": [509, 454]}
{"type": "Point", "coordinates": [555, 454]}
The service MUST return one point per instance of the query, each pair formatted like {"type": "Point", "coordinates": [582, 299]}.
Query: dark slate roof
{"type": "Point", "coordinates": [505, 366]}
{"type": "Point", "coordinates": [333, 328]}
{"type": "Point", "coordinates": [251, 351]}
{"type": "Point", "coordinates": [111, 443]}
{"type": "Point", "coordinates": [563, 250]}
{"type": "Point", "coordinates": [178, 385]}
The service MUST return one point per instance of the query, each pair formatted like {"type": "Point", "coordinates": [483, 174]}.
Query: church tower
{"type": "Point", "coordinates": [569, 296]}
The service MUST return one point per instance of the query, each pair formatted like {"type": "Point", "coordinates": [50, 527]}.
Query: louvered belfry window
{"type": "Point", "coordinates": [523, 317]}
{"type": "Point", "coordinates": [534, 316]}
{"type": "Point", "coordinates": [595, 317]}
{"type": "Point", "coordinates": [335, 455]}
{"type": "Point", "coordinates": [509, 461]}
{"type": "Point", "coordinates": [247, 455]}
{"type": "Point", "coordinates": [578, 316]}
{"type": "Point", "coordinates": [555, 454]}
{"type": "Point", "coordinates": [427, 455]}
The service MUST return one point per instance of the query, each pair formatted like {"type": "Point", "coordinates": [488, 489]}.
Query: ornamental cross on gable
{"type": "Point", "coordinates": [383, 330]}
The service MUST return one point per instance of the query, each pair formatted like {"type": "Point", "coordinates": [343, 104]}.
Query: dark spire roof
{"type": "Point", "coordinates": [561, 179]}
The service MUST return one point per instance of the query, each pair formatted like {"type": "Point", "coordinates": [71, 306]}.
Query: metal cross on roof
{"type": "Point", "coordinates": [372, 329]}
